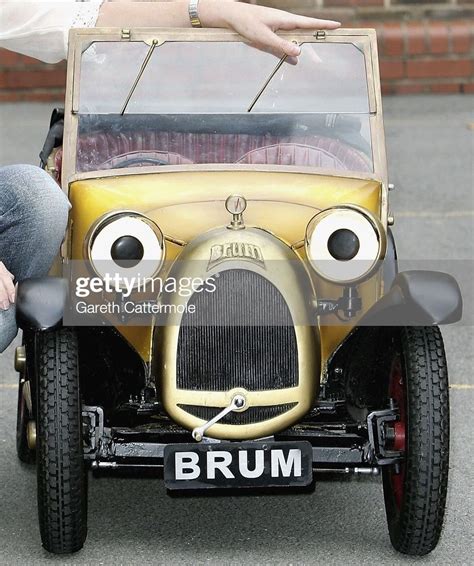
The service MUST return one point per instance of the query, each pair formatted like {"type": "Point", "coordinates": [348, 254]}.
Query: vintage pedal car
{"type": "Point", "coordinates": [290, 345]}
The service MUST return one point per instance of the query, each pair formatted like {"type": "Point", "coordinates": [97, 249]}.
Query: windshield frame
{"type": "Point", "coordinates": [81, 39]}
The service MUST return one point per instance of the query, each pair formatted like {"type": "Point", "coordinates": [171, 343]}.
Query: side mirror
{"type": "Point", "coordinates": [417, 298]}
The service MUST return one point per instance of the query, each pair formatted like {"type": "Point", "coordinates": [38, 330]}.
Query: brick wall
{"type": "Point", "coordinates": [376, 9]}
{"type": "Point", "coordinates": [424, 47]}
{"type": "Point", "coordinates": [426, 56]}
{"type": "Point", "coordinates": [26, 79]}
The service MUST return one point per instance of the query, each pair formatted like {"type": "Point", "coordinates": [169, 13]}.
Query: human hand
{"type": "Point", "coordinates": [7, 288]}
{"type": "Point", "coordinates": [259, 24]}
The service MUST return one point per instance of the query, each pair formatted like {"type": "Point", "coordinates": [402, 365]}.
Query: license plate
{"type": "Point", "coordinates": [238, 464]}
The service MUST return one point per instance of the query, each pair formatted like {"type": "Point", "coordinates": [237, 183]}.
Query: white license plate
{"type": "Point", "coordinates": [238, 464]}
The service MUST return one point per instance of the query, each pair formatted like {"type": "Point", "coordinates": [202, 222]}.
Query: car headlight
{"type": "Point", "coordinates": [344, 244]}
{"type": "Point", "coordinates": [126, 244]}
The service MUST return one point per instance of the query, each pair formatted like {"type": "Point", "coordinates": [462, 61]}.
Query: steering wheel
{"type": "Point", "coordinates": [143, 158]}
{"type": "Point", "coordinates": [139, 162]}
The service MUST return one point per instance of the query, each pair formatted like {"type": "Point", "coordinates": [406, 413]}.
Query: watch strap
{"type": "Point", "coordinates": [193, 14]}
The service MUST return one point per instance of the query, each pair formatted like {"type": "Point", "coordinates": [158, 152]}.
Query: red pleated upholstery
{"type": "Point", "coordinates": [100, 151]}
{"type": "Point", "coordinates": [331, 154]}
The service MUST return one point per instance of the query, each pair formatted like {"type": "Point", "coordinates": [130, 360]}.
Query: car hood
{"type": "Point", "coordinates": [186, 204]}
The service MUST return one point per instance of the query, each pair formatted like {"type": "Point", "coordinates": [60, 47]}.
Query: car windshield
{"type": "Point", "coordinates": [182, 103]}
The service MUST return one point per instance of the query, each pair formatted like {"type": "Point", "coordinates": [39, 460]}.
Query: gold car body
{"type": "Point", "coordinates": [187, 201]}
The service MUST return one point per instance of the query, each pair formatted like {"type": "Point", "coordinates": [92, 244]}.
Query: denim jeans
{"type": "Point", "coordinates": [33, 219]}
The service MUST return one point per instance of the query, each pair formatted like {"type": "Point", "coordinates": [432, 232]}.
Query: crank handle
{"type": "Point", "coordinates": [237, 404]}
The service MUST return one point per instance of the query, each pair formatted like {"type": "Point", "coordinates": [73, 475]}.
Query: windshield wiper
{"type": "Point", "coordinates": [139, 76]}
{"type": "Point", "coordinates": [267, 82]}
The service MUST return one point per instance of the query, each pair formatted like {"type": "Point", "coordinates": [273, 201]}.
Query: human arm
{"type": "Point", "coordinates": [257, 24]}
{"type": "Point", "coordinates": [40, 29]}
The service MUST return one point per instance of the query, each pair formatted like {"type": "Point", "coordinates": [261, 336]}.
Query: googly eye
{"type": "Point", "coordinates": [344, 244]}
{"type": "Point", "coordinates": [127, 245]}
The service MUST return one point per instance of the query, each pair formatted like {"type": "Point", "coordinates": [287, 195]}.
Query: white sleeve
{"type": "Point", "coordinates": [40, 29]}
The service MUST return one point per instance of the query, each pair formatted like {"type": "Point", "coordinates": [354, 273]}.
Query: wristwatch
{"type": "Point", "coordinates": [193, 14]}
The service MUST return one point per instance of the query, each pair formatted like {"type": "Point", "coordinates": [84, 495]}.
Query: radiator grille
{"type": "Point", "coordinates": [241, 335]}
{"type": "Point", "coordinates": [250, 416]}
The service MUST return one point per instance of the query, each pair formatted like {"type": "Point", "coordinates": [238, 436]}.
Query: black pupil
{"type": "Point", "coordinates": [343, 244]}
{"type": "Point", "coordinates": [127, 251]}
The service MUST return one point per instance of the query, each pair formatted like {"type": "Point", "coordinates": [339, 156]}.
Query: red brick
{"type": "Point", "coordinates": [410, 88]}
{"type": "Point", "coordinates": [391, 69]}
{"type": "Point", "coordinates": [461, 36]}
{"type": "Point", "coordinates": [438, 37]}
{"type": "Point", "coordinates": [437, 68]}
{"type": "Point", "coordinates": [354, 3]}
{"type": "Point", "coordinates": [468, 88]}
{"type": "Point", "coordinates": [32, 96]}
{"type": "Point", "coordinates": [446, 88]}
{"type": "Point", "coordinates": [8, 58]}
{"type": "Point", "coordinates": [11, 59]}
{"type": "Point", "coordinates": [17, 79]}
{"type": "Point", "coordinates": [416, 38]}
{"type": "Point", "coordinates": [30, 62]}
{"type": "Point", "coordinates": [392, 39]}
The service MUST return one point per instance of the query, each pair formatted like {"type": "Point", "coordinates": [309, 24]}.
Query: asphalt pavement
{"type": "Point", "coordinates": [132, 521]}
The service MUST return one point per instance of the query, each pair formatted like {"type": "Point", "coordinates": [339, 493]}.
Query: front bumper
{"type": "Point", "coordinates": [337, 447]}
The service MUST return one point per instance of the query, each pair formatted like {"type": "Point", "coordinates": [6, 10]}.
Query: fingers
{"type": "Point", "coordinates": [7, 288]}
{"type": "Point", "coordinates": [275, 52]}
{"type": "Point", "coordinates": [268, 39]}
{"type": "Point", "coordinates": [7, 293]}
{"type": "Point", "coordinates": [303, 22]}
{"type": "Point", "coordinates": [258, 24]}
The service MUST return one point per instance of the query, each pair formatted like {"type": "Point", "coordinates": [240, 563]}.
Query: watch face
{"type": "Point", "coordinates": [236, 204]}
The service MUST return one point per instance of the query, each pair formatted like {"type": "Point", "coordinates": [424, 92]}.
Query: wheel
{"type": "Point", "coordinates": [25, 415]}
{"type": "Point", "coordinates": [62, 479]}
{"type": "Point", "coordinates": [415, 490]}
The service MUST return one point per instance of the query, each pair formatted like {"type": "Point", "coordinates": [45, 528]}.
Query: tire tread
{"type": "Point", "coordinates": [418, 528]}
{"type": "Point", "coordinates": [62, 489]}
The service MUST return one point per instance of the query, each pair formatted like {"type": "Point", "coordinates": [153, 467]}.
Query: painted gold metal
{"type": "Point", "coordinates": [376, 225]}
{"type": "Point", "coordinates": [139, 76]}
{"type": "Point", "coordinates": [266, 83]}
{"type": "Point", "coordinates": [50, 166]}
{"type": "Point", "coordinates": [20, 359]}
{"type": "Point", "coordinates": [289, 274]}
{"type": "Point", "coordinates": [31, 435]}
{"type": "Point", "coordinates": [171, 200]}
{"type": "Point", "coordinates": [222, 167]}
{"type": "Point", "coordinates": [26, 392]}
{"type": "Point", "coordinates": [365, 39]}
{"type": "Point", "coordinates": [187, 201]}
{"type": "Point", "coordinates": [236, 205]}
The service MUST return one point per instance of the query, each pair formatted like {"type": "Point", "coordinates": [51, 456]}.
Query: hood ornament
{"type": "Point", "coordinates": [236, 205]}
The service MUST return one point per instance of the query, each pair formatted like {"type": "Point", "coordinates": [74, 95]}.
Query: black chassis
{"type": "Point", "coordinates": [337, 446]}
{"type": "Point", "coordinates": [350, 428]}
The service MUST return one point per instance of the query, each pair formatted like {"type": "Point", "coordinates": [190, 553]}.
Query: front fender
{"type": "Point", "coordinates": [417, 298]}
{"type": "Point", "coordinates": [41, 303]}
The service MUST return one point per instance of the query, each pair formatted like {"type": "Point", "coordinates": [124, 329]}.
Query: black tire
{"type": "Point", "coordinates": [62, 479]}
{"type": "Point", "coordinates": [415, 494]}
